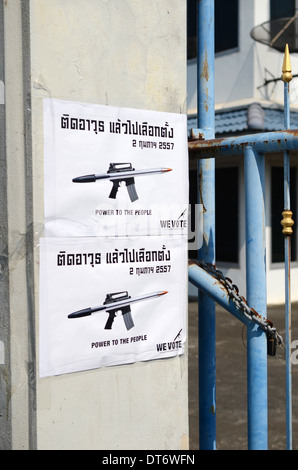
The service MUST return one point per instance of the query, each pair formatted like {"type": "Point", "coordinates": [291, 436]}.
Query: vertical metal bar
{"type": "Point", "coordinates": [254, 165]}
{"type": "Point", "coordinates": [5, 338]}
{"type": "Point", "coordinates": [288, 342]}
{"type": "Point", "coordinates": [206, 185]}
{"type": "Point", "coordinates": [287, 224]}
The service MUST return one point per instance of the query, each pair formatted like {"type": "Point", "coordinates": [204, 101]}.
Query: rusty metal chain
{"type": "Point", "coordinates": [273, 338]}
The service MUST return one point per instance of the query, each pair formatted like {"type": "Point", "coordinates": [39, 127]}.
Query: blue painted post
{"type": "Point", "coordinates": [206, 185]}
{"type": "Point", "coordinates": [287, 231]}
{"type": "Point", "coordinates": [254, 165]}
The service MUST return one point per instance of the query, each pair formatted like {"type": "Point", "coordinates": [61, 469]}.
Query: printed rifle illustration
{"type": "Point", "coordinates": [113, 303]}
{"type": "Point", "coordinates": [118, 173]}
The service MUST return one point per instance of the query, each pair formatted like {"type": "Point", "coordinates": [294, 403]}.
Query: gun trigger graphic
{"type": "Point", "coordinates": [110, 320]}
{"type": "Point", "coordinates": [114, 190]}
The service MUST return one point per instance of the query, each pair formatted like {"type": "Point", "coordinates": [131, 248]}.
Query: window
{"type": "Point", "coordinates": [227, 214]}
{"type": "Point", "coordinates": [277, 206]}
{"type": "Point", "coordinates": [191, 29]}
{"type": "Point", "coordinates": [226, 26]}
{"type": "Point", "coordinates": [282, 9]}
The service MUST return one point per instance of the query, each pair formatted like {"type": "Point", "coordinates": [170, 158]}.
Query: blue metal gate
{"type": "Point", "coordinates": [262, 337]}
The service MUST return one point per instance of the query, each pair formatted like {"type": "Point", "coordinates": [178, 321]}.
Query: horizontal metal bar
{"type": "Point", "coordinates": [267, 142]}
{"type": "Point", "coordinates": [215, 290]}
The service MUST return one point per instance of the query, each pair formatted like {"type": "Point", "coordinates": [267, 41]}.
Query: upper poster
{"type": "Point", "coordinates": [114, 171]}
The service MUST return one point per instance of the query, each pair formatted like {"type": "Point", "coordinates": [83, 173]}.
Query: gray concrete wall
{"type": "Point", "coordinates": [122, 53]}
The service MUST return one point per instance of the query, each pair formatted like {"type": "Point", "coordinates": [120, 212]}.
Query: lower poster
{"type": "Point", "coordinates": [111, 301]}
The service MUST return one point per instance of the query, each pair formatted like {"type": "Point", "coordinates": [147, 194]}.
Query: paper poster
{"type": "Point", "coordinates": [114, 171]}
{"type": "Point", "coordinates": [111, 301]}
{"type": "Point", "coordinates": [113, 265]}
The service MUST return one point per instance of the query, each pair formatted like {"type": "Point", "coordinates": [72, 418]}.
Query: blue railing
{"type": "Point", "coordinates": [254, 149]}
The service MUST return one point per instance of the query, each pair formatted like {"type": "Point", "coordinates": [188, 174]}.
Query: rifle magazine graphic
{"type": "Point", "coordinates": [115, 302]}
{"type": "Point", "coordinates": [131, 189]}
{"type": "Point", "coordinates": [128, 319]}
{"type": "Point", "coordinates": [119, 173]}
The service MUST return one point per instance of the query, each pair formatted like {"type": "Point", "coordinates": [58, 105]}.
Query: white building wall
{"type": "Point", "coordinates": [239, 73]}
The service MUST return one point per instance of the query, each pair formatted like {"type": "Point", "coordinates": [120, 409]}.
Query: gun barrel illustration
{"type": "Point", "coordinates": [117, 173]}
{"type": "Point", "coordinates": [114, 302]}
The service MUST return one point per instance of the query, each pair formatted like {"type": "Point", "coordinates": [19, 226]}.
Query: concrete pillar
{"type": "Point", "coordinates": [119, 53]}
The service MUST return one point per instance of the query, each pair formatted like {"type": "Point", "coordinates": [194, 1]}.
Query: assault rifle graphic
{"type": "Point", "coordinates": [118, 173]}
{"type": "Point", "coordinates": [117, 301]}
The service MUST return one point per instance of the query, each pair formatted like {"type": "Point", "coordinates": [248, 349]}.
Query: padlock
{"type": "Point", "coordinates": [271, 343]}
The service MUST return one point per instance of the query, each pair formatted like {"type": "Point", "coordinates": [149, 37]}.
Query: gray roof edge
{"type": "Point", "coordinates": [254, 116]}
